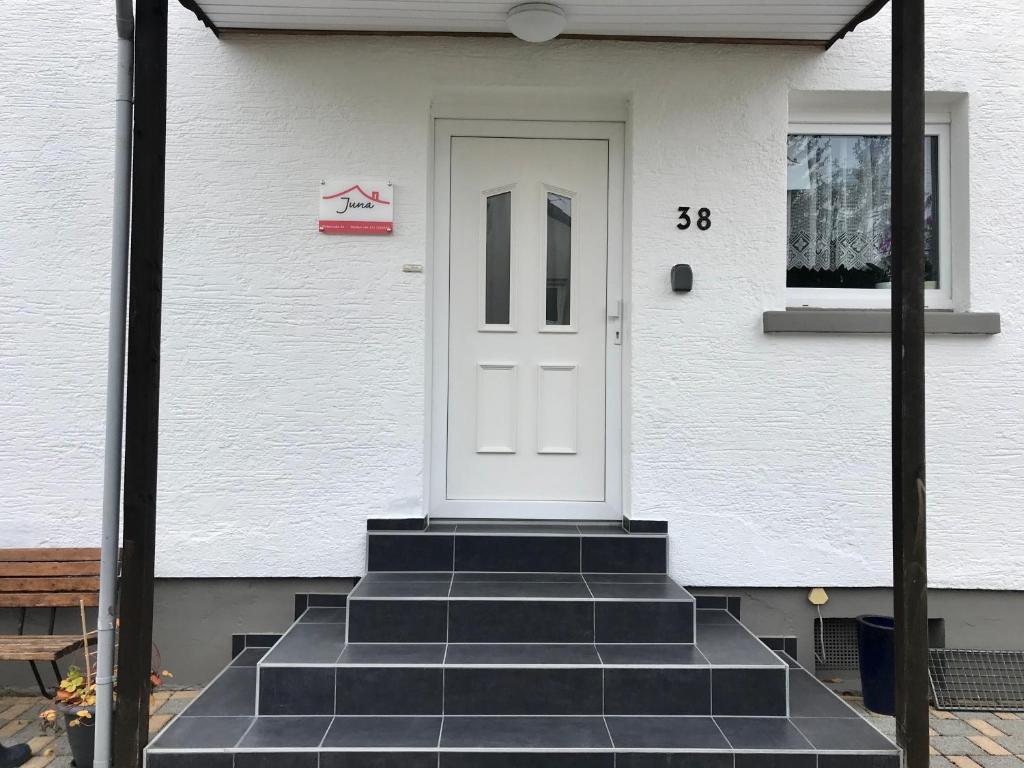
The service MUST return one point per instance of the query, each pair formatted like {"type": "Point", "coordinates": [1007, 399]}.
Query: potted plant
{"type": "Point", "coordinates": [74, 703]}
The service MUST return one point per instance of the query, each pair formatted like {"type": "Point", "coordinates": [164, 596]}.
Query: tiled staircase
{"type": "Point", "coordinates": [517, 646]}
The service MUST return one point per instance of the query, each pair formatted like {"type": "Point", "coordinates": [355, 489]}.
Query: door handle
{"type": "Point", "coordinates": [615, 315]}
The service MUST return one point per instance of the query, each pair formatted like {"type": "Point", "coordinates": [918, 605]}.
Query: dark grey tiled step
{"type": "Point", "coordinates": [536, 742]}
{"type": "Point", "coordinates": [475, 607]}
{"type": "Point", "coordinates": [518, 548]}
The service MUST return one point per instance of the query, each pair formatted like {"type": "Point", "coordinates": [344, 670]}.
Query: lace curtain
{"type": "Point", "coordinates": [839, 202]}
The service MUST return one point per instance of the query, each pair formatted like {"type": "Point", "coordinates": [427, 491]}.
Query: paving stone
{"type": "Point", "coordinates": [956, 745]}
{"type": "Point", "coordinates": [988, 729]}
{"type": "Point", "coordinates": [954, 728]}
{"type": "Point", "coordinates": [990, 747]}
{"type": "Point", "coordinates": [964, 762]}
{"type": "Point", "coordinates": [174, 705]}
{"type": "Point", "coordinates": [939, 762]}
{"type": "Point", "coordinates": [1010, 727]}
{"type": "Point", "coordinates": [1014, 744]}
{"type": "Point", "coordinates": [990, 761]}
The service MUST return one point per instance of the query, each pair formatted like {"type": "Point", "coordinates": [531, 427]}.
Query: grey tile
{"type": "Point", "coordinates": [233, 693]}
{"type": "Point", "coordinates": [643, 622]}
{"type": "Point", "coordinates": [639, 691]}
{"type": "Point", "coordinates": [498, 529]}
{"type": "Point", "coordinates": [712, 602]}
{"type": "Point", "coordinates": [249, 657]}
{"type": "Point", "coordinates": [521, 654]}
{"type": "Point", "coordinates": [776, 760]}
{"type": "Point", "coordinates": [202, 732]}
{"type": "Point", "coordinates": [748, 692]}
{"type": "Point", "coordinates": [324, 616]}
{"type": "Point", "coordinates": [515, 621]}
{"type": "Point", "coordinates": [518, 553]}
{"type": "Point", "coordinates": [389, 691]}
{"type": "Point", "coordinates": [517, 578]}
{"type": "Point", "coordinates": [769, 733]}
{"type": "Point", "coordinates": [522, 691]}
{"type": "Point", "coordinates": [405, 577]}
{"type": "Point", "coordinates": [809, 698]}
{"type": "Point", "coordinates": [714, 616]}
{"type": "Point", "coordinates": [380, 759]}
{"type": "Point", "coordinates": [283, 759]}
{"type": "Point", "coordinates": [602, 529]}
{"type": "Point", "coordinates": [392, 732]}
{"type": "Point", "coordinates": [939, 762]}
{"type": "Point", "coordinates": [651, 654]}
{"type": "Point", "coordinates": [638, 591]}
{"type": "Point", "coordinates": [520, 590]}
{"type": "Point", "coordinates": [525, 733]}
{"type": "Point", "coordinates": [185, 760]}
{"type": "Point", "coordinates": [309, 644]}
{"type": "Point", "coordinates": [665, 733]}
{"type": "Point", "coordinates": [673, 760]}
{"type": "Point", "coordinates": [275, 732]}
{"type": "Point", "coordinates": [732, 644]}
{"type": "Point", "coordinates": [851, 734]}
{"type": "Point", "coordinates": [409, 552]}
{"type": "Point", "coordinates": [627, 554]}
{"type": "Point", "coordinates": [296, 691]}
{"type": "Point", "coordinates": [858, 761]}
{"type": "Point", "coordinates": [627, 578]}
{"type": "Point", "coordinates": [400, 589]}
{"type": "Point", "coordinates": [393, 653]}
{"type": "Point", "coordinates": [526, 760]}
{"type": "Point", "coordinates": [398, 621]}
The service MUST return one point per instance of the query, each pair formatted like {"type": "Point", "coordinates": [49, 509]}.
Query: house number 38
{"type": "Point", "coordinates": [703, 218]}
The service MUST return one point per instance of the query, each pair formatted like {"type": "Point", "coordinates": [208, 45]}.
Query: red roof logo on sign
{"type": "Point", "coordinates": [373, 197]}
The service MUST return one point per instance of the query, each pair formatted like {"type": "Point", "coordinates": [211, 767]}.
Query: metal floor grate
{"type": "Point", "coordinates": [835, 643]}
{"type": "Point", "coordinates": [977, 680]}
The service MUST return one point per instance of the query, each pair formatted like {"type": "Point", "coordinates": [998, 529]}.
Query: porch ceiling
{"type": "Point", "coordinates": [792, 22]}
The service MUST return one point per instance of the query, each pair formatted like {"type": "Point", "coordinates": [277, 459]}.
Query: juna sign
{"type": "Point", "coordinates": [357, 207]}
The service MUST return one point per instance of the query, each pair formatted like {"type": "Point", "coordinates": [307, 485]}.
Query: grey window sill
{"type": "Point", "coordinates": [801, 320]}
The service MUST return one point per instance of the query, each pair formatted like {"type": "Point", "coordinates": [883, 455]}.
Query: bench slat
{"type": "Point", "coordinates": [81, 568]}
{"type": "Point", "coordinates": [48, 555]}
{"type": "Point", "coordinates": [39, 647]}
{"type": "Point", "coordinates": [47, 599]}
{"type": "Point", "coordinates": [50, 584]}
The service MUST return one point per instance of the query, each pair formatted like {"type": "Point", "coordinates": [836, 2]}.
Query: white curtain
{"type": "Point", "coordinates": [839, 202]}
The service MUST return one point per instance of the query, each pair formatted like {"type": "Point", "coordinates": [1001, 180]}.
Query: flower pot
{"type": "Point", "coordinates": [81, 737]}
{"type": "Point", "coordinates": [876, 638]}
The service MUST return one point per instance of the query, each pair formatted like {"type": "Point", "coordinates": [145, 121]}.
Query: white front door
{"type": "Point", "coordinates": [531, 342]}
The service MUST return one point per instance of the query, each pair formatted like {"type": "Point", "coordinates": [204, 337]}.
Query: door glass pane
{"type": "Point", "coordinates": [498, 269]}
{"type": "Point", "coordinates": [559, 259]}
{"type": "Point", "coordinates": [839, 211]}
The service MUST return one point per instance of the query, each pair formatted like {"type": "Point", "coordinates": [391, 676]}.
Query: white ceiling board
{"type": "Point", "coordinates": [783, 20]}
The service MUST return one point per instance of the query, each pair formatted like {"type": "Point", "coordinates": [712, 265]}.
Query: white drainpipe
{"type": "Point", "coordinates": [107, 613]}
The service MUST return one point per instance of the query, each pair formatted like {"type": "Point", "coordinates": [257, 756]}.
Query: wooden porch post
{"type": "Point", "coordinates": [910, 576]}
{"type": "Point", "coordinates": [143, 388]}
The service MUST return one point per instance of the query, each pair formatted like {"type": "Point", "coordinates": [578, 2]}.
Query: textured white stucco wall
{"type": "Point", "coordinates": [292, 402]}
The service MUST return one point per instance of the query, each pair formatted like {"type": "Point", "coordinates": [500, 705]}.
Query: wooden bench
{"type": "Point", "coordinates": [46, 579]}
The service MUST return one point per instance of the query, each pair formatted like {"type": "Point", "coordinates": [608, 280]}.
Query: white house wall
{"type": "Point", "coordinates": [294, 364]}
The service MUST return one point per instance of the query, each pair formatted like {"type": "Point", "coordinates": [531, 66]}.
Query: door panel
{"type": "Point", "coordinates": [527, 320]}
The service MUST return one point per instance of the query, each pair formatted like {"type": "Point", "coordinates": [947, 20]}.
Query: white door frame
{"type": "Point", "coordinates": [437, 401]}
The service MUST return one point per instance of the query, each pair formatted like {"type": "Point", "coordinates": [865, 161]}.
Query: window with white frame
{"type": "Point", "coordinates": [839, 245]}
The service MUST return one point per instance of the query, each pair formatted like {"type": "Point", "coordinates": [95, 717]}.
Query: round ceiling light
{"type": "Point", "coordinates": [536, 22]}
